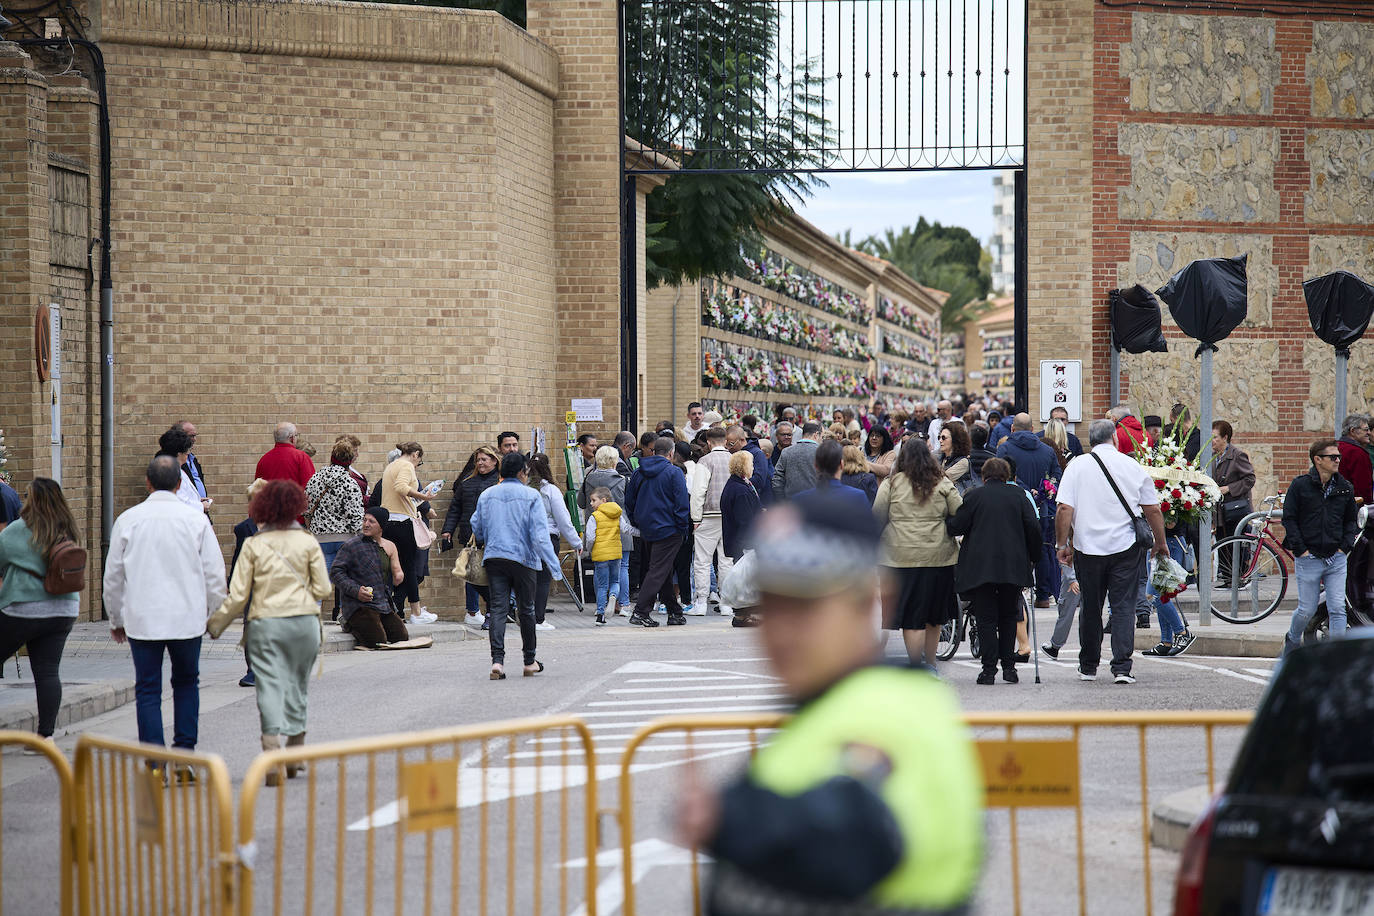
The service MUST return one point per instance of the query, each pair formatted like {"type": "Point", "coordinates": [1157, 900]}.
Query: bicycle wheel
{"type": "Point", "coordinates": [1257, 584]}
{"type": "Point", "coordinates": [951, 634]}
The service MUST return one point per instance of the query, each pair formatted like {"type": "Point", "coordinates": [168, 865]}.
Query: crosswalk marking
{"type": "Point", "coordinates": [659, 700]}
{"type": "Point", "coordinates": [763, 686]}
{"type": "Point", "coordinates": [691, 680]}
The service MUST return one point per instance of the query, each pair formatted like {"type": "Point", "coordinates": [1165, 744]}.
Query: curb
{"type": "Point", "coordinates": [1171, 818]}
{"type": "Point", "coordinates": [1234, 642]}
{"type": "Point", "coordinates": [79, 702]}
{"type": "Point", "coordinates": [336, 641]}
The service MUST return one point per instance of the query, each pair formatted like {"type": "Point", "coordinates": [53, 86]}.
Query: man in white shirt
{"type": "Point", "coordinates": [943, 411]}
{"type": "Point", "coordinates": [1103, 549]}
{"type": "Point", "coordinates": [696, 420]}
{"type": "Point", "coordinates": [164, 576]}
{"type": "Point", "coordinates": [705, 487]}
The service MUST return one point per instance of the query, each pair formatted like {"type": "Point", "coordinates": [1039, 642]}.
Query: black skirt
{"type": "Point", "coordinates": [925, 597]}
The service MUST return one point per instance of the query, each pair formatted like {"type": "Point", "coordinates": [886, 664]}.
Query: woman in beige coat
{"type": "Point", "coordinates": [912, 506]}
{"type": "Point", "coordinates": [282, 569]}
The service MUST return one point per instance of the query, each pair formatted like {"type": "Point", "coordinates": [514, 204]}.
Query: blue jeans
{"type": "Point", "coordinates": [472, 593]}
{"type": "Point", "coordinates": [330, 549]}
{"type": "Point", "coordinates": [1171, 622]}
{"type": "Point", "coordinates": [624, 593]}
{"type": "Point", "coordinates": [606, 576]}
{"type": "Point", "coordinates": [185, 657]}
{"type": "Point", "coordinates": [1313, 573]}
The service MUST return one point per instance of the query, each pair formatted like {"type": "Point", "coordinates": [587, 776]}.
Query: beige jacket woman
{"type": "Point", "coordinates": [398, 482]}
{"type": "Point", "coordinates": [914, 533]}
{"type": "Point", "coordinates": [283, 573]}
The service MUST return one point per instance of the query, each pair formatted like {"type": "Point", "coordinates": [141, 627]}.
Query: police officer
{"type": "Point", "coordinates": [870, 798]}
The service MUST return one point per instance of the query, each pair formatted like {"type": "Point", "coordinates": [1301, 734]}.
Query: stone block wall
{"type": "Point", "coordinates": [1216, 133]}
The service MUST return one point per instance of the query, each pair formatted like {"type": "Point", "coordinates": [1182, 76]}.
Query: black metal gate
{"type": "Point", "coordinates": [821, 86]}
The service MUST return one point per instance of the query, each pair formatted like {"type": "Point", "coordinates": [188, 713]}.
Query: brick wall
{"type": "Point", "coordinates": [1213, 135]}
{"type": "Point", "coordinates": [335, 214]}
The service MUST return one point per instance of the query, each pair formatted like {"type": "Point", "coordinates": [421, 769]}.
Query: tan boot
{"type": "Point", "coordinates": [272, 743]}
{"type": "Point", "coordinates": [295, 769]}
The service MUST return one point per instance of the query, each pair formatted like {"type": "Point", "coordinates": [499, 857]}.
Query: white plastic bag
{"type": "Point", "coordinates": [1166, 574]}
{"type": "Point", "coordinates": [738, 589]}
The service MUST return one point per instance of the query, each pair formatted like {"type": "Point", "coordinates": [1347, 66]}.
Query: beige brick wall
{"type": "Point", "coordinates": [336, 214]}
{"type": "Point", "coordinates": [1060, 185]}
{"type": "Point", "coordinates": [587, 164]}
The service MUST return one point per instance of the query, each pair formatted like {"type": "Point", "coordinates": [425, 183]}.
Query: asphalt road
{"type": "Point", "coordinates": [516, 792]}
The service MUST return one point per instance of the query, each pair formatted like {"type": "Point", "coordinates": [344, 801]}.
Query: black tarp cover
{"type": "Point", "coordinates": [1136, 321]}
{"type": "Point", "coordinates": [1339, 305]}
{"type": "Point", "coordinates": [1207, 298]}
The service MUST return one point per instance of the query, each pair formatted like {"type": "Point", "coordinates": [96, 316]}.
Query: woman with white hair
{"type": "Point", "coordinates": [605, 475]}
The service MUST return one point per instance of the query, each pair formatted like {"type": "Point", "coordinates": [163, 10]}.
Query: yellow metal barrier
{"type": "Point", "coordinates": [153, 829]}
{"type": "Point", "coordinates": [521, 772]}
{"type": "Point", "coordinates": [1015, 764]}
{"type": "Point", "coordinates": [66, 847]}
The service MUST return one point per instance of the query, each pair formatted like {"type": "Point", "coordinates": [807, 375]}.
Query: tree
{"type": "Point", "coordinates": [706, 81]}
{"type": "Point", "coordinates": [947, 258]}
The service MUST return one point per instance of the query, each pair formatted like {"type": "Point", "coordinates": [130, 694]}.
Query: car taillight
{"type": "Point", "coordinates": [1192, 864]}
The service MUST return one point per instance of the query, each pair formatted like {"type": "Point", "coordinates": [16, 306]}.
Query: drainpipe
{"type": "Point", "coordinates": [106, 283]}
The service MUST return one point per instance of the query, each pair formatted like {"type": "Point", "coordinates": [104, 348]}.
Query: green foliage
{"type": "Point", "coordinates": [947, 258]}
{"type": "Point", "coordinates": [707, 79]}
{"type": "Point", "coordinates": [514, 10]}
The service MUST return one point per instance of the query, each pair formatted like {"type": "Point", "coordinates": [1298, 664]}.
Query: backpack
{"type": "Point", "coordinates": [66, 569]}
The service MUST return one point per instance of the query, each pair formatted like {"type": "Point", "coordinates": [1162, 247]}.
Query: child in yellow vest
{"type": "Point", "coordinates": [602, 539]}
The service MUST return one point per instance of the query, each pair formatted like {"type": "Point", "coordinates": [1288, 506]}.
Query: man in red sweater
{"type": "Point", "coordinates": [1355, 464]}
{"type": "Point", "coordinates": [1129, 432]}
{"type": "Point", "coordinates": [284, 461]}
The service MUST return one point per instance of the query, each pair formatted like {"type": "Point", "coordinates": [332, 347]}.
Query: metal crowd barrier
{"type": "Point", "coordinates": [153, 829]}
{"type": "Point", "coordinates": [415, 793]}
{"type": "Point", "coordinates": [38, 829]}
{"type": "Point", "coordinates": [1038, 783]}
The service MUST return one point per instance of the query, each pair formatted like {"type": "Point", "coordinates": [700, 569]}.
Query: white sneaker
{"type": "Point", "coordinates": [476, 620]}
{"type": "Point", "coordinates": [660, 608]}
{"type": "Point", "coordinates": [544, 626]}
{"type": "Point", "coordinates": [725, 609]}
{"type": "Point", "coordinates": [694, 610]}
{"type": "Point", "coordinates": [426, 616]}
{"type": "Point", "coordinates": [714, 596]}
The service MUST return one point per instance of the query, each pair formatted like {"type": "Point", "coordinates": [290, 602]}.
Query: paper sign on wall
{"type": "Point", "coordinates": [587, 408]}
{"type": "Point", "coordinates": [1061, 385]}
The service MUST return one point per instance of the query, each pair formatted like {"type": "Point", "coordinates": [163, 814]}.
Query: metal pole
{"type": "Point", "coordinates": [1204, 551]}
{"type": "Point", "coordinates": [1340, 391]}
{"type": "Point", "coordinates": [1020, 309]}
{"type": "Point", "coordinates": [1115, 356]}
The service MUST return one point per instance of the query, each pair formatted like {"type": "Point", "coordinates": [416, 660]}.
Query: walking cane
{"type": "Point", "coordinates": [1035, 640]}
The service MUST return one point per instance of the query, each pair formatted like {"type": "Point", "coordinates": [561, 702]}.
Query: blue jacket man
{"type": "Point", "coordinates": [657, 502]}
{"type": "Point", "coordinates": [763, 471]}
{"type": "Point", "coordinates": [1034, 460]}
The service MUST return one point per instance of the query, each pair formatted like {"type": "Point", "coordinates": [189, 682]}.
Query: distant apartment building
{"type": "Point", "coordinates": [1003, 240]}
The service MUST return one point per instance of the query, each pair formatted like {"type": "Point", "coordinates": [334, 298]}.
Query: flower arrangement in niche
{"type": "Point", "coordinates": [725, 365]}
{"type": "Point", "coordinates": [908, 347]}
{"type": "Point", "coordinates": [773, 271]}
{"type": "Point", "coordinates": [899, 313]}
{"type": "Point", "coordinates": [732, 309]}
{"type": "Point", "coordinates": [891, 375]}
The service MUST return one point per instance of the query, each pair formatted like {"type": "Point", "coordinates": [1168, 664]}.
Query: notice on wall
{"type": "Point", "coordinates": [431, 799]}
{"type": "Point", "coordinates": [587, 408]}
{"type": "Point", "coordinates": [1030, 774]}
{"type": "Point", "coordinates": [1061, 385]}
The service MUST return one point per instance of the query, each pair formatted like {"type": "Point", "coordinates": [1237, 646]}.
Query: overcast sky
{"type": "Point", "coordinates": [868, 203]}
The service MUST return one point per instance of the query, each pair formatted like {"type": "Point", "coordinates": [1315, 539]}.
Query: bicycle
{"type": "Point", "coordinates": [964, 625]}
{"type": "Point", "coordinates": [1259, 566]}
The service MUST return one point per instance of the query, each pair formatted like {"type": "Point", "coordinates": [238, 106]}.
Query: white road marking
{"type": "Point", "coordinates": [617, 750]}
{"type": "Point", "coordinates": [596, 739]}
{"type": "Point", "coordinates": [647, 855]}
{"type": "Point", "coordinates": [619, 690]}
{"type": "Point", "coordinates": [1259, 672]}
{"type": "Point", "coordinates": [688, 680]}
{"type": "Point", "coordinates": [654, 713]}
{"type": "Point", "coordinates": [659, 700]}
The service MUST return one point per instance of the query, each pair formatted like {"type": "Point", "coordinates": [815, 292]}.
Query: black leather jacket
{"type": "Point", "coordinates": [1319, 520]}
{"type": "Point", "coordinates": [465, 493]}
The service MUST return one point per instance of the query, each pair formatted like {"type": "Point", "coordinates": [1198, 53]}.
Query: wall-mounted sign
{"type": "Point", "coordinates": [587, 408]}
{"type": "Point", "coordinates": [42, 341]}
{"type": "Point", "coordinates": [1061, 385]}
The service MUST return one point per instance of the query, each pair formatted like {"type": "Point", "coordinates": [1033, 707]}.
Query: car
{"type": "Point", "coordinates": [1292, 832]}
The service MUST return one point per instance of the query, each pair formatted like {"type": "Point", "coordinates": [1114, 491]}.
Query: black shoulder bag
{"type": "Point", "coordinates": [1144, 535]}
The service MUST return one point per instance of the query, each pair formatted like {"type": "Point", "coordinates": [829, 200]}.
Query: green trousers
{"type": "Point", "coordinates": [282, 651]}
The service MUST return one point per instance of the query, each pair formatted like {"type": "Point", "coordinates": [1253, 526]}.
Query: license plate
{"type": "Point", "coordinates": [1316, 892]}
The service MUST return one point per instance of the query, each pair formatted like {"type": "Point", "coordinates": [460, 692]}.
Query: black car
{"type": "Point", "coordinates": [1292, 834]}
